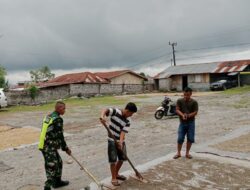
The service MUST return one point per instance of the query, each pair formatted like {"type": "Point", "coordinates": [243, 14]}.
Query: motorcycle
{"type": "Point", "coordinates": [167, 108]}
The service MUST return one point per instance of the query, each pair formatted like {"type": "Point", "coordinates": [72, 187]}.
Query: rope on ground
{"type": "Point", "coordinates": [224, 156]}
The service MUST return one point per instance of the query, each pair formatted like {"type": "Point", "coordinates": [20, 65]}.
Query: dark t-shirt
{"type": "Point", "coordinates": [187, 107]}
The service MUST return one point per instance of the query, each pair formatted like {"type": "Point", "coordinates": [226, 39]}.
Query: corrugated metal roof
{"type": "Point", "coordinates": [232, 66]}
{"type": "Point", "coordinates": [188, 69]}
{"type": "Point", "coordinates": [215, 67]}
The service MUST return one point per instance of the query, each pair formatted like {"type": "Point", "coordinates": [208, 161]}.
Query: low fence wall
{"type": "Point", "coordinates": [66, 91]}
{"type": "Point", "coordinates": [43, 96]}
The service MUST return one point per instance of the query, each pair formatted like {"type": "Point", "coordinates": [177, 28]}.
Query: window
{"type": "Point", "coordinates": [198, 78]}
{"type": "Point", "coordinates": [191, 78]}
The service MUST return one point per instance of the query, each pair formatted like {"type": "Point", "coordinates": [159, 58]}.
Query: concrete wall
{"type": "Point", "coordinates": [149, 87]}
{"type": "Point", "coordinates": [127, 78]}
{"type": "Point", "coordinates": [199, 82]}
{"type": "Point", "coordinates": [84, 89]}
{"type": "Point", "coordinates": [54, 93]}
{"type": "Point", "coordinates": [111, 89]}
{"type": "Point", "coordinates": [61, 92]}
{"type": "Point", "coordinates": [133, 88]}
{"type": "Point", "coordinates": [165, 84]}
{"type": "Point", "coordinates": [199, 86]}
{"type": "Point", "coordinates": [44, 95]}
{"type": "Point", "coordinates": [18, 97]}
{"type": "Point", "coordinates": [88, 89]}
{"type": "Point", "coordinates": [176, 83]}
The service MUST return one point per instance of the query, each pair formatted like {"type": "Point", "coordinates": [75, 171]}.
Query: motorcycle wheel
{"type": "Point", "coordinates": [159, 114]}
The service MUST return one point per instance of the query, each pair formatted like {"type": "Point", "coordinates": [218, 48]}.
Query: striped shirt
{"type": "Point", "coordinates": [118, 123]}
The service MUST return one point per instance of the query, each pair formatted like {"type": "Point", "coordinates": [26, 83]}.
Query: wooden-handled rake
{"type": "Point", "coordinates": [138, 175]}
{"type": "Point", "coordinates": [98, 183]}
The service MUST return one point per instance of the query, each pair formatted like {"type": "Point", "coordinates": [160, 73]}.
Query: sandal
{"type": "Point", "coordinates": [121, 177]}
{"type": "Point", "coordinates": [176, 156]}
{"type": "Point", "coordinates": [189, 156]}
{"type": "Point", "coordinates": [115, 183]}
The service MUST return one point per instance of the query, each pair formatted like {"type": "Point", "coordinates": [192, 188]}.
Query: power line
{"type": "Point", "coordinates": [197, 57]}
{"type": "Point", "coordinates": [190, 57]}
{"type": "Point", "coordinates": [228, 45]}
{"type": "Point", "coordinates": [205, 48]}
{"type": "Point", "coordinates": [150, 60]}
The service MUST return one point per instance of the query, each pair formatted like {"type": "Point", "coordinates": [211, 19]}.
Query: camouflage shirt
{"type": "Point", "coordinates": [54, 136]}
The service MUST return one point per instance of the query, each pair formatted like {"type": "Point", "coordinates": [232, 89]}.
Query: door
{"type": "Point", "coordinates": [184, 81]}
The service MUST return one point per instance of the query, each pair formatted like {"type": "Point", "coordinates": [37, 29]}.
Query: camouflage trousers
{"type": "Point", "coordinates": [53, 166]}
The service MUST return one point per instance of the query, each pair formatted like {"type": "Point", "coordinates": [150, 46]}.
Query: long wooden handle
{"type": "Point", "coordinates": [113, 137]}
{"type": "Point", "coordinates": [86, 170]}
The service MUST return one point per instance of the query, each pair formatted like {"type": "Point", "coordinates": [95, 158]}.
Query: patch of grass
{"type": "Point", "coordinates": [25, 108]}
{"type": "Point", "coordinates": [244, 102]}
{"type": "Point", "coordinates": [238, 90]}
{"type": "Point", "coordinates": [71, 102]}
{"type": "Point", "coordinates": [141, 96]}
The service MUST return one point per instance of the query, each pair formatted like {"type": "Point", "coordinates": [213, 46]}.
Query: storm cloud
{"type": "Point", "coordinates": [69, 35]}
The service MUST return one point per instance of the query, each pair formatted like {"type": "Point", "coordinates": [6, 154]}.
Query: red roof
{"type": "Point", "coordinates": [74, 78]}
{"type": "Point", "coordinates": [112, 74]}
{"type": "Point", "coordinates": [232, 66]}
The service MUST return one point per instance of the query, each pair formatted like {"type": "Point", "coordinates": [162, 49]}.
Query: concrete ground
{"type": "Point", "coordinates": [222, 119]}
{"type": "Point", "coordinates": [202, 172]}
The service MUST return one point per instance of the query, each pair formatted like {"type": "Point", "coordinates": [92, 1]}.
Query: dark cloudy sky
{"type": "Point", "coordinates": [81, 35]}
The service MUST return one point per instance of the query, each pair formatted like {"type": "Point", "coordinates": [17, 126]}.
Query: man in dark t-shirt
{"type": "Point", "coordinates": [186, 108]}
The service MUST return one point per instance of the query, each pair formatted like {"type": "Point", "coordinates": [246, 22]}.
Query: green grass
{"type": "Point", "coordinates": [242, 101]}
{"type": "Point", "coordinates": [140, 96]}
{"type": "Point", "coordinates": [238, 90]}
{"type": "Point", "coordinates": [71, 102]}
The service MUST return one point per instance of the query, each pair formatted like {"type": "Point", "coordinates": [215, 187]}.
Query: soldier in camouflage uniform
{"type": "Point", "coordinates": [52, 139]}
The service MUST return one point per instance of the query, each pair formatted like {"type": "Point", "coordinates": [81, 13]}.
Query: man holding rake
{"type": "Point", "coordinates": [119, 126]}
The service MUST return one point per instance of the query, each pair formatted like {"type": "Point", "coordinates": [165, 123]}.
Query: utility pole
{"type": "Point", "coordinates": [173, 44]}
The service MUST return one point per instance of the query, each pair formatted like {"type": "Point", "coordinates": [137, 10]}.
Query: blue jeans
{"type": "Point", "coordinates": [187, 128]}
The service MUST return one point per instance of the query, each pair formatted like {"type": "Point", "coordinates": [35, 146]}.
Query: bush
{"type": "Point", "coordinates": [33, 91]}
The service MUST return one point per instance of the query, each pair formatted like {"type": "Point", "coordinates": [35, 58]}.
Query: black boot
{"type": "Point", "coordinates": [47, 188]}
{"type": "Point", "coordinates": [60, 183]}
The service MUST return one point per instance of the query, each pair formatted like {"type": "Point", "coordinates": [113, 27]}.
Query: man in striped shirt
{"type": "Point", "coordinates": [119, 126]}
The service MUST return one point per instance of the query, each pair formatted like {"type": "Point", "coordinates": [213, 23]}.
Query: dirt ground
{"type": "Point", "coordinates": [14, 137]}
{"type": "Point", "coordinates": [221, 118]}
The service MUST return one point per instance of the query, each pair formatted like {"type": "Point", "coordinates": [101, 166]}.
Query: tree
{"type": "Point", "coordinates": [41, 75]}
{"type": "Point", "coordinates": [2, 81]}
{"type": "Point", "coordinates": [142, 74]}
{"type": "Point", "coordinates": [2, 77]}
{"type": "Point", "coordinates": [2, 71]}
{"type": "Point", "coordinates": [33, 91]}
